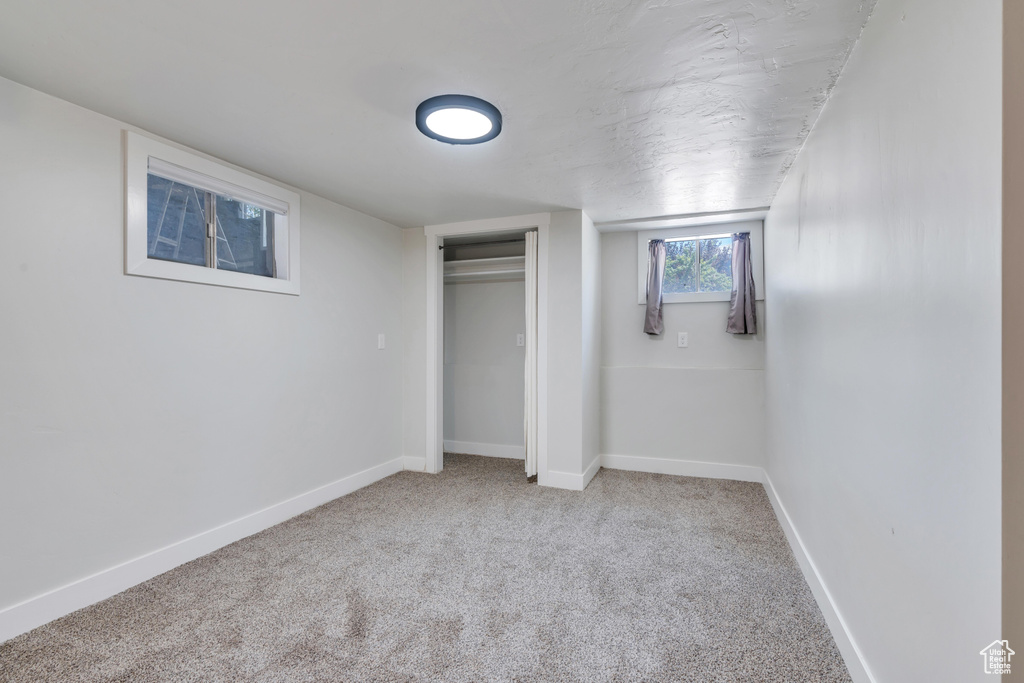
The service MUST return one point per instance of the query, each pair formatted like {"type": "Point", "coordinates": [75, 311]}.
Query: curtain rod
{"type": "Point", "coordinates": [480, 244]}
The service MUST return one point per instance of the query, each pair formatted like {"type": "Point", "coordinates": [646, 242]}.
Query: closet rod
{"type": "Point", "coordinates": [481, 244]}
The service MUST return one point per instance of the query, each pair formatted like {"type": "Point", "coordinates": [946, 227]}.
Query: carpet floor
{"type": "Point", "coordinates": [470, 575]}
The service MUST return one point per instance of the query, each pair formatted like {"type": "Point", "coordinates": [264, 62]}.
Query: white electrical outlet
{"type": "Point", "coordinates": [520, 340]}
{"type": "Point", "coordinates": [380, 340]}
{"type": "Point", "coordinates": [684, 340]}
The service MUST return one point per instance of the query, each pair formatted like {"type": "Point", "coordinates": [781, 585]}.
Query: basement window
{"type": "Point", "coordinates": [698, 261]}
{"type": "Point", "coordinates": [192, 219]}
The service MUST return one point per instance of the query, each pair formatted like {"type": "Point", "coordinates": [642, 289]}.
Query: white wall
{"type": "Point", "coordinates": [1013, 323]}
{"type": "Point", "coordinates": [138, 412]}
{"type": "Point", "coordinates": [883, 361]}
{"type": "Point", "coordinates": [414, 347]}
{"type": "Point", "coordinates": [591, 293]}
{"type": "Point", "coordinates": [484, 369]}
{"type": "Point", "coordinates": [565, 335]}
{"type": "Point", "coordinates": [574, 300]}
{"type": "Point", "coordinates": [703, 403]}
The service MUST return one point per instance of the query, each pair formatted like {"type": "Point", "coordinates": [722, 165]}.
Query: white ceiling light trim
{"type": "Point", "coordinates": [458, 119]}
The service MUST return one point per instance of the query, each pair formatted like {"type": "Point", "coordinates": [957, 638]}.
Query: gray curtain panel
{"type": "Point", "coordinates": [655, 277]}
{"type": "Point", "coordinates": [742, 310]}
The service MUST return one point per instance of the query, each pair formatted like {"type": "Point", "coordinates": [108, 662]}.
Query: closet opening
{"type": "Point", "coordinates": [463, 238]}
{"type": "Point", "coordinates": [489, 347]}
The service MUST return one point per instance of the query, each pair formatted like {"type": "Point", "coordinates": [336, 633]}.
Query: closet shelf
{"type": "Point", "coordinates": [484, 269]}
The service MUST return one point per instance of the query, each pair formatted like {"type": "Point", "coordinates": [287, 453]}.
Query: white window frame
{"type": "Point", "coordinates": [216, 177]}
{"type": "Point", "coordinates": [756, 230]}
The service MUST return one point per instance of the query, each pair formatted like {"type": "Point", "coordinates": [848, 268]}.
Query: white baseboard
{"type": "Point", "coordinates": [492, 450]}
{"type": "Point", "coordinates": [561, 480]}
{"type": "Point", "coordinates": [413, 463]}
{"type": "Point", "coordinates": [852, 656]}
{"type": "Point", "coordinates": [35, 612]}
{"type": "Point", "coordinates": [569, 480]}
{"type": "Point", "coordinates": [684, 468]}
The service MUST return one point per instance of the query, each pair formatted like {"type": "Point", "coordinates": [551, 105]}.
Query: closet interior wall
{"type": "Point", "coordinates": [484, 319]}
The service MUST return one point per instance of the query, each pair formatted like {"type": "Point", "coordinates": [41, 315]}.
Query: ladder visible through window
{"type": "Point", "coordinates": [218, 251]}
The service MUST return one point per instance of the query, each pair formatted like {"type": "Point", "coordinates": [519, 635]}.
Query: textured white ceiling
{"type": "Point", "coordinates": [624, 108]}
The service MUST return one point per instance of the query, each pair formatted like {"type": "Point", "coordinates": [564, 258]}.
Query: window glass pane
{"type": "Point", "coordinates": [176, 221]}
{"type": "Point", "coordinates": [716, 264]}
{"type": "Point", "coordinates": [680, 266]}
{"type": "Point", "coordinates": [245, 237]}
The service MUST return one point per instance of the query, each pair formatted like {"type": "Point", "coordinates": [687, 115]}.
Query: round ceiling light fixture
{"type": "Point", "coordinates": [458, 119]}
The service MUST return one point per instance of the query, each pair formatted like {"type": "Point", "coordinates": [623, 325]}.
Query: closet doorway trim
{"type": "Point", "coordinates": [435, 234]}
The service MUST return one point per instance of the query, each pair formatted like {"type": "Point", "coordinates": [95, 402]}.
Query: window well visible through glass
{"type": "Point", "coordinates": [698, 264]}
{"type": "Point", "coordinates": [177, 217]}
{"type": "Point", "coordinates": [177, 221]}
{"type": "Point", "coordinates": [245, 238]}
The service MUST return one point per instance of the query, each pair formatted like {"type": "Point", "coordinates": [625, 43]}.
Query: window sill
{"type": "Point", "coordinates": [183, 272]}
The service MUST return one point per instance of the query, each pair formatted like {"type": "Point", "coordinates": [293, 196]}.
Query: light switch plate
{"type": "Point", "coordinates": [380, 340]}
{"type": "Point", "coordinates": [684, 340]}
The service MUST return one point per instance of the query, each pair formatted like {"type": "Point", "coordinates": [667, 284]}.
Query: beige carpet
{"type": "Point", "coordinates": [471, 575]}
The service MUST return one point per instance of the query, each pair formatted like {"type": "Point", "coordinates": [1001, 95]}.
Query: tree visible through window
{"type": "Point", "coordinates": [698, 264]}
